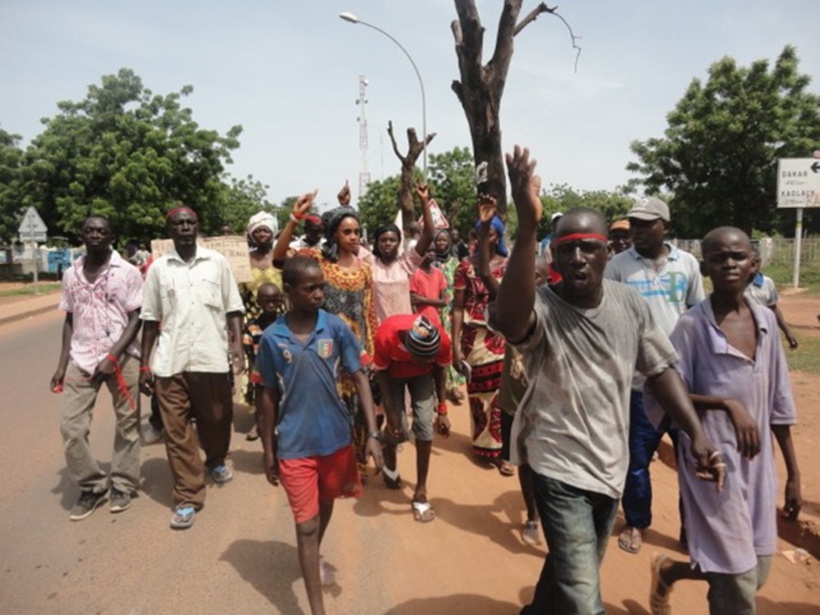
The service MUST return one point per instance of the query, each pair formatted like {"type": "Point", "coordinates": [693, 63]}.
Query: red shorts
{"type": "Point", "coordinates": [310, 480]}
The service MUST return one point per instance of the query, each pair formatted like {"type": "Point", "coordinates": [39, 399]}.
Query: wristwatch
{"type": "Point", "coordinates": [376, 435]}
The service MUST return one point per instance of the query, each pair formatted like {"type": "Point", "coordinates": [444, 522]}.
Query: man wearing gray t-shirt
{"type": "Point", "coordinates": [582, 339]}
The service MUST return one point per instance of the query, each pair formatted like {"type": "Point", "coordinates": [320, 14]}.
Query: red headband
{"type": "Point", "coordinates": [177, 210]}
{"type": "Point", "coordinates": [578, 236]}
{"type": "Point", "coordinates": [312, 218]}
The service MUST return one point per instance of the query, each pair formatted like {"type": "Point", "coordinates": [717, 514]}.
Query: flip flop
{"type": "Point", "coordinates": [391, 478]}
{"type": "Point", "coordinates": [423, 512]}
{"type": "Point", "coordinates": [658, 590]}
{"type": "Point", "coordinates": [505, 468]}
{"type": "Point", "coordinates": [630, 539]}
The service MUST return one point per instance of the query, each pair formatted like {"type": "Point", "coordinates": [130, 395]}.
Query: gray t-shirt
{"type": "Point", "coordinates": [573, 422]}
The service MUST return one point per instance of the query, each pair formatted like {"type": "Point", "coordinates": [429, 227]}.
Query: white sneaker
{"type": "Point", "coordinates": [150, 434]}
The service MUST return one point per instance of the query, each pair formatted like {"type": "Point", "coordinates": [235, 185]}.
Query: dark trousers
{"type": "Point", "coordinates": [205, 397]}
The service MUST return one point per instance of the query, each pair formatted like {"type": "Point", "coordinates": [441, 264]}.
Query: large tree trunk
{"type": "Point", "coordinates": [408, 165]}
{"type": "Point", "coordinates": [482, 86]}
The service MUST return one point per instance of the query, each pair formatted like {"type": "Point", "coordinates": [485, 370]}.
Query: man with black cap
{"type": "Point", "coordinates": [669, 280]}
{"type": "Point", "coordinates": [412, 353]}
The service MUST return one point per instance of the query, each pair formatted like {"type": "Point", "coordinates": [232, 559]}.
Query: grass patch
{"type": "Point", "coordinates": [807, 356]}
{"type": "Point", "coordinates": [43, 287]}
{"type": "Point", "coordinates": [782, 274]}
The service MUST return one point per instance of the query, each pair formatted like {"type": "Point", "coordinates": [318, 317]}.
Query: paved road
{"type": "Point", "coordinates": [240, 557]}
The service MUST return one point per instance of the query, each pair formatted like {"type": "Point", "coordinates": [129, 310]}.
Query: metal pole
{"type": "Point", "coordinates": [798, 239]}
{"type": "Point", "coordinates": [421, 85]}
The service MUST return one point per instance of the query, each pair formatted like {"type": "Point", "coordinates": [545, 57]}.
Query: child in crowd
{"type": "Point", "coordinates": [428, 288]}
{"type": "Point", "coordinates": [270, 300]}
{"type": "Point", "coordinates": [762, 290]}
{"type": "Point", "coordinates": [305, 426]}
{"type": "Point", "coordinates": [734, 367]}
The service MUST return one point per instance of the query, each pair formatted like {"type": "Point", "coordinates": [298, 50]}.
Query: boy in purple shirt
{"type": "Point", "coordinates": [734, 366]}
{"type": "Point", "coordinates": [304, 424]}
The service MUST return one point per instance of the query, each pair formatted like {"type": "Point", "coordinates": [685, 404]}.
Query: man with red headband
{"type": "Point", "coordinates": [581, 339]}
{"type": "Point", "coordinates": [192, 291]}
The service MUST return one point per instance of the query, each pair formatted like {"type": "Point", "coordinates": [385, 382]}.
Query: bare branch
{"type": "Point", "coordinates": [455, 26]}
{"type": "Point", "coordinates": [393, 141]}
{"type": "Point", "coordinates": [543, 8]}
{"type": "Point", "coordinates": [532, 16]}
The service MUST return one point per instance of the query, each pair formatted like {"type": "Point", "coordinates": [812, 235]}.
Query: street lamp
{"type": "Point", "coordinates": [351, 18]}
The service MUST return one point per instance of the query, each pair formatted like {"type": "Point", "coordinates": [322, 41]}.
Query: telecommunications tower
{"type": "Point", "coordinates": [364, 173]}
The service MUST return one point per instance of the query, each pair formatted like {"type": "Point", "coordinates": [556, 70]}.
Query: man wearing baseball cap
{"type": "Point", "coordinates": [544, 245]}
{"type": "Point", "coordinates": [619, 237]}
{"type": "Point", "coordinates": [669, 280]}
{"type": "Point", "coordinates": [412, 353]}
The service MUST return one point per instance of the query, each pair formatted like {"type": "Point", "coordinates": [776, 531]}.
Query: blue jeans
{"type": "Point", "coordinates": [577, 525]}
{"type": "Point", "coordinates": [643, 442]}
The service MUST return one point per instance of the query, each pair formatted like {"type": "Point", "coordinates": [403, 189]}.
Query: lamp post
{"type": "Point", "coordinates": [351, 18]}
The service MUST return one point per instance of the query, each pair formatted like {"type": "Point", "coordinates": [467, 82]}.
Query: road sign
{"type": "Point", "coordinates": [798, 182]}
{"type": "Point", "coordinates": [32, 228]}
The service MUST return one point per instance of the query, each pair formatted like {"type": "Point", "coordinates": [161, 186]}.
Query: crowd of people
{"type": "Point", "coordinates": [578, 352]}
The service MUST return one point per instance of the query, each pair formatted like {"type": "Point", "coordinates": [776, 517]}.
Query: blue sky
{"type": "Point", "coordinates": [288, 72]}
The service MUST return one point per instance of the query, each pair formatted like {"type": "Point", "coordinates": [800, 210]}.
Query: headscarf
{"type": "Point", "coordinates": [423, 339]}
{"type": "Point", "coordinates": [332, 219]}
{"type": "Point", "coordinates": [263, 219]}
{"type": "Point", "coordinates": [384, 228]}
{"type": "Point", "coordinates": [498, 225]}
{"type": "Point", "coordinates": [443, 257]}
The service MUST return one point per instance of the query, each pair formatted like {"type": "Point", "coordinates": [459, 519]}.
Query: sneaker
{"type": "Point", "coordinates": [151, 434]}
{"type": "Point", "coordinates": [530, 534]}
{"type": "Point", "coordinates": [183, 518]}
{"type": "Point", "coordinates": [87, 504]}
{"type": "Point", "coordinates": [120, 501]}
{"type": "Point", "coordinates": [221, 474]}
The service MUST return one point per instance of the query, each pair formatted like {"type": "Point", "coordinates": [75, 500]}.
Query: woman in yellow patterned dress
{"type": "Point", "coordinates": [348, 288]}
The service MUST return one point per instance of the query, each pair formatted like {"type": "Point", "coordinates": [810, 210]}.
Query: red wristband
{"type": "Point", "coordinates": [111, 358]}
{"type": "Point", "coordinates": [145, 368]}
{"type": "Point", "coordinates": [442, 409]}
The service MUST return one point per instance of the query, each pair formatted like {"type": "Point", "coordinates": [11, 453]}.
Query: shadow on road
{"type": "Point", "coordinates": [454, 605]}
{"type": "Point", "coordinates": [271, 567]}
{"type": "Point", "coordinates": [156, 481]}
{"type": "Point", "coordinates": [248, 462]}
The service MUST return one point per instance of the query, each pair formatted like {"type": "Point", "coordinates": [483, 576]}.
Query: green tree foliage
{"type": "Point", "coordinates": [11, 157]}
{"type": "Point", "coordinates": [131, 155]}
{"type": "Point", "coordinates": [561, 197]}
{"type": "Point", "coordinates": [380, 203]}
{"type": "Point", "coordinates": [718, 156]}
{"type": "Point", "coordinates": [451, 177]}
{"type": "Point", "coordinates": [240, 199]}
{"type": "Point", "coordinates": [452, 181]}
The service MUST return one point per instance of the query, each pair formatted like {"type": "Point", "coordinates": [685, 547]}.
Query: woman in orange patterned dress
{"type": "Point", "coordinates": [481, 348]}
{"type": "Point", "coordinates": [348, 289]}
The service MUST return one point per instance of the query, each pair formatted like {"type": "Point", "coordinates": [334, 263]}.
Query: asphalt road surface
{"type": "Point", "coordinates": [240, 556]}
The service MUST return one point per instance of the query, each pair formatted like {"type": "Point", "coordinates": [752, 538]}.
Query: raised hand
{"type": "Point", "coordinates": [344, 195]}
{"type": "Point", "coordinates": [304, 203]}
{"type": "Point", "coordinates": [525, 186]}
{"type": "Point", "coordinates": [486, 208]}
{"type": "Point", "coordinates": [423, 192]}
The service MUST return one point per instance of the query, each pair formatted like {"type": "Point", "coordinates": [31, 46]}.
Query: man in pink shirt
{"type": "Point", "coordinates": [102, 296]}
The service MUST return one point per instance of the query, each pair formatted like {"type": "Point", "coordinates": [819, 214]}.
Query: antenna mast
{"type": "Point", "coordinates": [364, 173]}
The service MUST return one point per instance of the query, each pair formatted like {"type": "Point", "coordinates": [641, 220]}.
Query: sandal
{"type": "Point", "coordinates": [505, 468]}
{"type": "Point", "coordinates": [529, 535]}
{"type": "Point", "coordinates": [423, 511]}
{"type": "Point", "coordinates": [391, 478]}
{"type": "Point", "coordinates": [658, 590]}
{"type": "Point", "coordinates": [630, 539]}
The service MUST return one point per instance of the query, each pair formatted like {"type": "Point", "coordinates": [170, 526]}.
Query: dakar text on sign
{"type": "Point", "coordinates": [798, 182]}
